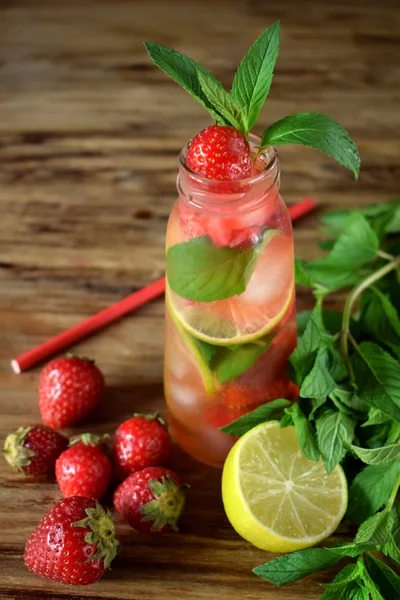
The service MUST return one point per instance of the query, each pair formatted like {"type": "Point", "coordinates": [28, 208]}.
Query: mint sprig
{"type": "Point", "coordinates": [251, 86]}
{"type": "Point", "coordinates": [347, 365]}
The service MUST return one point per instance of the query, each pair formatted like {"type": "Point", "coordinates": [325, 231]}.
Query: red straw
{"type": "Point", "coordinates": [116, 311]}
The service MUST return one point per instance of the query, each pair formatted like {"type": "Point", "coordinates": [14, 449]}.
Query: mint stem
{"type": "Point", "coordinates": [348, 307]}
{"type": "Point", "coordinates": [393, 495]}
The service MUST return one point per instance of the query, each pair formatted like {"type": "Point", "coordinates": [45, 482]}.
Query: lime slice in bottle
{"type": "Point", "coordinates": [250, 315]}
{"type": "Point", "coordinates": [194, 347]}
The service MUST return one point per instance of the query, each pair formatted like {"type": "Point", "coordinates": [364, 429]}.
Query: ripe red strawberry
{"type": "Point", "coordinates": [84, 469]}
{"type": "Point", "coordinates": [34, 450]}
{"type": "Point", "coordinates": [74, 543]}
{"type": "Point", "coordinates": [151, 500]}
{"type": "Point", "coordinates": [219, 152]}
{"type": "Point", "coordinates": [69, 389]}
{"type": "Point", "coordinates": [140, 442]}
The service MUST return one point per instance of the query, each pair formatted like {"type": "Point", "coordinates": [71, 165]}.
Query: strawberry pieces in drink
{"type": "Point", "coordinates": [221, 153]}
{"type": "Point", "coordinates": [34, 450]}
{"type": "Point", "coordinates": [84, 469]}
{"type": "Point", "coordinates": [151, 500]}
{"type": "Point", "coordinates": [73, 544]}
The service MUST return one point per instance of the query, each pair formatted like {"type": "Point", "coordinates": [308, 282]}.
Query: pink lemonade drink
{"type": "Point", "coordinates": [230, 303]}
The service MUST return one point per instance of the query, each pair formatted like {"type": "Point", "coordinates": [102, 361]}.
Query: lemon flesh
{"type": "Point", "coordinates": [276, 498]}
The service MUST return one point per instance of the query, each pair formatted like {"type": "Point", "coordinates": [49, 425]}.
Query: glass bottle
{"type": "Point", "coordinates": [226, 357]}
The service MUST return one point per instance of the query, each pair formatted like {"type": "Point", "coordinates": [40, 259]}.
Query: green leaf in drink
{"type": "Point", "coordinates": [199, 271]}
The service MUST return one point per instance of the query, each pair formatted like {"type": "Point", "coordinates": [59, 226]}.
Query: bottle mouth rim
{"type": "Point", "coordinates": [268, 156]}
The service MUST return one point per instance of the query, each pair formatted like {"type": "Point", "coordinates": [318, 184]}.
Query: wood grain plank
{"type": "Point", "coordinates": [89, 137]}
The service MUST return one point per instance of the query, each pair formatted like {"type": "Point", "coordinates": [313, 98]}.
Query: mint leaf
{"type": "Point", "coordinates": [230, 362]}
{"type": "Point", "coordinates": [348, 402]}
{"type": "Point", "coordinates": [254, 75]}
{"type": "Point", "coordinates": [357, 245]}
{"type": "Point", "coordinates": [376, 529]}
{"type": "Point", "coordinates": [369, 586]}
{"type": "Point", "coordinates": [351, 549]}
{"type": "Point", "coordinates": [304, 432]}
{"type": "Point", "coordinates": [378, 378]}
{"type": "Point", "coordinates": [316, 404]}
{"type": "Point", "coordinates": [394, 433]}
{"type": "Point", "coordinates": [303, 357]}
{"type": "Point", "coordinates": [315, 131]}
{"type": "Point", "coordinates": [300, 274]}
{"type": "Point", "coordinates": [391, 550]}
{"type": "Point", "coordinates": [267, 412]}
{"type": "Point", "coordinates": [394, 224]}
{"type": "Point", "coordinates": [199, 271]}
{"type": "Point", "coordinates": [208, 351]}
{"type": "Point", "coordinates": [377, 456]}
{"type": "Point", "coordinates": [222, 101]}
{"type": "Point", "coordinates": [392, 546]}
{"type": "Point", "coordinates": [348, 591]}
{"type": "Point", "coordinates": [371, 489]}
{"type": "Point", "coordinates": [379, 317]}
{"type": "Point", "coordinates": [185, 71]}
{"type": "Point", "coordinates": [319, 382]}
{"type": "Point", "coordinates": [332, 275]}
{"type": "Point", "coordinates": [291, 567]}
{"type": "Point", "coordinates": [386, 579]}
{"type": "Point", "coordinates": [296, 565]}
{"type": "Point", "coordinates": [333, 429]}
{"type": "Point", "coordinates": [376, 417]}
{"type": "Point", "coordinates": [347, 576]}
{"type": "Point", "coordinates": [286, 421]}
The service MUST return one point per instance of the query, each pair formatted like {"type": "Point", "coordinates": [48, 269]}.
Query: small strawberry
{"type": "Point", "coordinates": [69, 389]}
{"type": "Point", "coordinates": [140, 442]}
{"type": "Point", "coordinates": [74, 543]}
{"type": "Point", "coordinates": [34, 450]}
{"type": "Point", "coordinates": [84, 469]}
{"type": "Point", "coordinates": [219, 152]}
{"type": "Point", "coordinates": [151, 500]}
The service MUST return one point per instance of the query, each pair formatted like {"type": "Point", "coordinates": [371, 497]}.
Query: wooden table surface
{"type": "Point", "coordinates": [89, 134]}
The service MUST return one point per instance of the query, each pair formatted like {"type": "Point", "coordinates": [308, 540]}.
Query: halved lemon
{"type": "Point", "coordinates": [276, 498]}
{"type": "Point", "coordinates": [250, 315]}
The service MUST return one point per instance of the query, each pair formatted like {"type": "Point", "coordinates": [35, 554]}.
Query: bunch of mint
{"type": "Point", "coordinates": [347, 367]}
{"type": "Point", "coordinates": [250, 88]}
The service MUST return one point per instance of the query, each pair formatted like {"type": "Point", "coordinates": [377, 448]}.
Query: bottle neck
{"type": "Point", "coordinates": [232, 197]}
